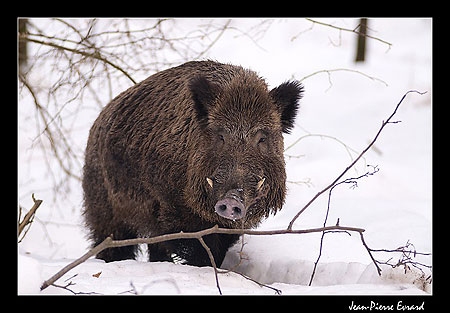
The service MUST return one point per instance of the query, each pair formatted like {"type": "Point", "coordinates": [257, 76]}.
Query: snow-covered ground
{"type": "Point", "coordinates": [394, 206]}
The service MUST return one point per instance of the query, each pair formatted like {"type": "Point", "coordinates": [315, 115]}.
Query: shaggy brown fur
{"type": "Point", "coordinates": [152, 148]}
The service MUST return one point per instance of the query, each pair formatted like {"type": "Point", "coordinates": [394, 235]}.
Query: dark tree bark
{"type": "Point", "coordinates": [361, 43]}
{"type": "Point", "coordinates": [22, 44]}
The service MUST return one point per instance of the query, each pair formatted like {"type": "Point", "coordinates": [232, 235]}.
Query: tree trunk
{"type": "Point", "coordinates": [361, 44]}
{"type": "Point", "coordinates": [22, 45]}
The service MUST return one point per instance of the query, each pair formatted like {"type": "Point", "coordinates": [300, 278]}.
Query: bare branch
{"type": "Point", "coordinates": [103, 245]}
{"type": "Point", "coordinates": [347, 147]}
{"type": "Point", "coordinates": [48, 120]}
{"type": "Point", "coordinates": [277, 291]}
{"type": "Point", "coordinates": [370, 254]}
{"type": "Point", "coordinates": [95, 55]}
{"type": "Point", "coordinates": [109, 243]}
{"type": "Point", "coordinates": [214, 41]}
{"type": "Point", "coordinates": [373, 78]}
{"type": "Point", "coordinates": [351, 31]}
{"type": "Point", "coordinates": [211, 258]}
{"type": "Point", "coordinates": [352, 181]}
{"type": "Point", "coordinates": [384, 123]}
{"type": "Point", "coordinates": [408, 253]}
{"type": "Point", "coordinates": [28, 218]}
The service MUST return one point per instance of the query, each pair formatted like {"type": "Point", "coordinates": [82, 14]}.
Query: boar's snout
{"type": "Point", "coordinates": [231, 206]}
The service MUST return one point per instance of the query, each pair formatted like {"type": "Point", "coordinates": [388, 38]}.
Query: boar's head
{"type": "Point", "coordinates": [236, 172]}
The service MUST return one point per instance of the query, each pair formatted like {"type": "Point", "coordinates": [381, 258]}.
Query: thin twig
{"type": "Point", "coordinates": [370, 254]}
{"type": "Point", "coordinates": [351, 31]}
{"type": "Point", "coordinates": [95, 55]}
{"type": "Point", "coordinates": [408, 253]}
{"type": "Point", "coordinates": [224, 28]}
{"type": "Point", "coordinates": [384, 123]}
{"type": "Point", "coordinates": [347, 148]}
{"type": "Point", "coordinates": [277, 291]}
{"type": "Point", "coordinates": [353, 181]}
{"type": "Point", "coordinates": [342, 70]}
{"type": "Point", "coordinates": [66, 287]}
{"type": "Point", "coordinates": [211, 258]}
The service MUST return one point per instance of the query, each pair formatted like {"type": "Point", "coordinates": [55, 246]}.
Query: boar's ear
{"type": "Point", "coordinates": [203, 94]}
{"type": "Point", "coordinates": [286, 97]}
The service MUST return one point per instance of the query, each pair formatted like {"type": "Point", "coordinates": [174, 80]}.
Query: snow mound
{"type": "Point", "coordinates": [348, 278]}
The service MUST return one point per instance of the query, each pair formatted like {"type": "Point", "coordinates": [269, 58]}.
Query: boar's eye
{"type": "Point", "coordinates": [220, 137]}
{"type": "Point", "coordinates": [261, 140]}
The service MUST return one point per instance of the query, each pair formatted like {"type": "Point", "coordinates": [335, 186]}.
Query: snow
{"type": "Point", "coordinates": [136, 277]}
{"type": "Point", "coordinates": [393, 206]}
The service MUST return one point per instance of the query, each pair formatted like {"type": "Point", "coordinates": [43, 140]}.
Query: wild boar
{"type": "Point", "coordinates": [188, 148]}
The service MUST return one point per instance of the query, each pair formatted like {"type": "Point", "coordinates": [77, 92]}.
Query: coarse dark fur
{"type": "Point", "coordinates": [152, 148]}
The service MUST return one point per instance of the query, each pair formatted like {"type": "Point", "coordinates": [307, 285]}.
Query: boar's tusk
{"type": "Point", "coordinates": [260, 183]}
{"type": "Point", "coordinates": [210, 182]}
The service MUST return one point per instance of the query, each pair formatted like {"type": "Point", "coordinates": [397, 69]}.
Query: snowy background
{"type": "Point", "coordinates": [394, 205]}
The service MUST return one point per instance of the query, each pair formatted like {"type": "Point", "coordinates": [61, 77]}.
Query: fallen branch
{"type": "Point", "coordinates": [110, 243]}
